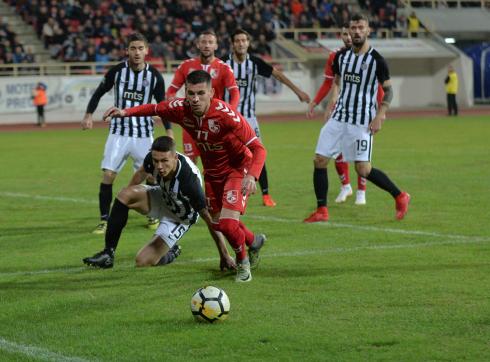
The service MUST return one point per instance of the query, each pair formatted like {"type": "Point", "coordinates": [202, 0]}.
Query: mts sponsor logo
{"type": "Point", "coordinates": [133, 96]}
{"type": "Point", "coordinates": [352, 78]}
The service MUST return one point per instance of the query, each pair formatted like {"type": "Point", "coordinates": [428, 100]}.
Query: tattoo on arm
{"type": "Point", "coordinates": [388, 95]}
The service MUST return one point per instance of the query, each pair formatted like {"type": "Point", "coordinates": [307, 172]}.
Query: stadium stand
{"type": "Point", "coordinates": [75, 37]}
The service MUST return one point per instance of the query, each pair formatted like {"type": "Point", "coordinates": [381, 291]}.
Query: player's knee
{"type": "Point", "coordinates": [320, 161]}
{"type": "Point", "coordinates": [126, 195]}
{"type": "Point", "coordinates": [108, 177]}
{"type": "Point", "coordinates": [363, 169]}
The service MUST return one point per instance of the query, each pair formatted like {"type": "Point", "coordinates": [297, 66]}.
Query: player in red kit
{"type": "Point", "coordinates": [221, 78]}
{"type": "Point", "coordinates": [231, 154]}
{"type": "Point", "coordinates": [341, 166]}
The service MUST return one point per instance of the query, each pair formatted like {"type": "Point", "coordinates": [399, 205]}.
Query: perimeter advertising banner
{"type": "Point", "coordinates": [68, 96]}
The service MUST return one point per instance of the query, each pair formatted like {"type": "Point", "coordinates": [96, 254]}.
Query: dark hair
{"type": "Point", "coordinates": [198, 76]}
{"type": "Point", "coordinates": [137, 37]}
{"type": "Point", "coordinates": [163, 144]}
{"type": "Point", "coordinates": [359, 17]}
{"type": "Point", "coordinates": [209, 32]}
{"type": "Point", "coordinates": [240, 31]}
{"type": "Point", "coordinates": [345, 25]}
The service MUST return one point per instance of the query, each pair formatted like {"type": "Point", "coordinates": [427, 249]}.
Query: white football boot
{"type": "Point", "coordinates": [243, 273]}
{"type": "Point", "coordinates": [345, 192]}
{"type": "Point", "coordinates": [361, 197]}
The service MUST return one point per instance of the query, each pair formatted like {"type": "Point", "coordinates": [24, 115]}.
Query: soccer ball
{"type": "Point", "coordinates": [210, 304]}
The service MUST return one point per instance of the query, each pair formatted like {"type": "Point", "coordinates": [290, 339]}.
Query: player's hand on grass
{"type": "Point", "coordinates": [227, 263]}
{"type": "Point", "coordinates": [113, 112]}
{"type": "Point", "coordinates": [87, 122]}
{"type": "Point", "coordinates": [248, 185]}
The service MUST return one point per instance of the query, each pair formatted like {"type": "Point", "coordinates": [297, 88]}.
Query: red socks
{"type": "Point", "coordinates": [361, 183]}
{"type": "Point", "coordinates": [342, 170]}
{"type": "Point", "coordinates": [236, 236]}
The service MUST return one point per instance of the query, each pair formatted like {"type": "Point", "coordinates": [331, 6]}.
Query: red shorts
{"type": "Point", "coordinates": [190, 147]}
{"type": "Point", "coordinates": [225, 193]}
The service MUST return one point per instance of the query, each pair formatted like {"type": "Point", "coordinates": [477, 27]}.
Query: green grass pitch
{"type": "Point", "coordinates": [361, 287]}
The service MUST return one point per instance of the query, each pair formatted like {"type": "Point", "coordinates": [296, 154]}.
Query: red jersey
{"type": "Point", "coordinates": [221, 78]}
{"type": "Point", "coordinates": [226, 141]}
{"type": "Point", "coordinates": [329, 78]}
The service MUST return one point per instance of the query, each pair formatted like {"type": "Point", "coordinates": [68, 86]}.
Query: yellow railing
{"type": "Point", "coordinates": [90, 68]}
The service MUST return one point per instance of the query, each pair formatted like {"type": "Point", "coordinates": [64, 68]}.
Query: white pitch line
{"type": "Point", "coordinates": [273, 218]}
{"type": "Point", "coordinates": [36, 352]}
{"type": "Point", "coordinates": [339, 250]}
{"type": "Point", "coordinates": [371, 228]}
{"type": "Point", "coordinates": [48, 198]}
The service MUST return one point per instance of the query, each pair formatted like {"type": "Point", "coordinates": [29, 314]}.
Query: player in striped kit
{"type": "Point", "coordinates": [355, 119]}
{"type": "Point", "coordinates": [246, 67]}
{"type": "Point", "coordinates": [176, 200]}
{"type": "Point", "coordinates": [135, 82]}
{"type": "Point", "coordinates": [341, 166]}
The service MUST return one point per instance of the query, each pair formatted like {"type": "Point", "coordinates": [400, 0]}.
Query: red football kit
{"type": "Point", "coordinates": [221, 78]}
{"type": "Point", "coordinates": [228, 145]}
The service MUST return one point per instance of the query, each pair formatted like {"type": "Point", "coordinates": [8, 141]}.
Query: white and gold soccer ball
{"type": "Point", "coordinates": [210, 304]}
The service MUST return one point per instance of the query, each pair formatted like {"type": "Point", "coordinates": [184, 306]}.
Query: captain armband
{"type": "Point", "coordinates": [388, 97]}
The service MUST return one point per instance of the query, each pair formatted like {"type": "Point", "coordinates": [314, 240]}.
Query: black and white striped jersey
{"type": "Point", "coordinates": [183, 194]}
{"type": "Point", "coordinates": [131, 89]}
{"type": "Point", "coordinates": [245, 75]}
{"type": "Point", "coordinates": [360, 76]}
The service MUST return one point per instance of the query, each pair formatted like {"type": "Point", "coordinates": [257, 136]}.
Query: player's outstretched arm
{"type": "Point", "coordinates": [113, 112]}
{"type": "Point", "coordinates": [281, 77]}
{"type": "Point", "coordinates": [138, 111]}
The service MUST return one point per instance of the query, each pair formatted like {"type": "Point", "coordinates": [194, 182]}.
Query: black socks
{"type": "Point", "coordinates": [263, 182]}
{"type": "Point", "coordinates": [105, 199]}
{"type": "Point", "coordinates": [320, 183]}
{"type": "Point", "coordinates": [380, 179]}
{"type": "Point", "coordinates": [116, 223]}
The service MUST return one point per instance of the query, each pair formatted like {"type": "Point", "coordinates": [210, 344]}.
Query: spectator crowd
{"type": "Point", "coordinates": [95, 30]}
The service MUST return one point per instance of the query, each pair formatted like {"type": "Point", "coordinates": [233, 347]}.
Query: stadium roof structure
{"type": "Point", "coordinates": [427, 47]}
{"type": "Point", "coordinates": [401, 47]}
{"type": "Point", "coordinates": [460, 23]}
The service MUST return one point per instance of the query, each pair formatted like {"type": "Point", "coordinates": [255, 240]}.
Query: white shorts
{"type": "Point", "coordinates": [355, 142]}
{"type": "Point", "coordinates": [171, 229]}
{"type": "Point", "coordinates": [119, 148]}
{"type": "Point", "coordinates": [252, 121]}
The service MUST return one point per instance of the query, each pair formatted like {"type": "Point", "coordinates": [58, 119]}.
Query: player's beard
{"type": "Point", "coordinates": [358, 43]}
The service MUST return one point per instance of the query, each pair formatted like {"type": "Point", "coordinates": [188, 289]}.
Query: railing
{"type": "Point", "coordinates": [92, 68]}
{"type": "Point", "coordinates": [325, 33]}
{"type": "Point", "coordinates": [453, 4]}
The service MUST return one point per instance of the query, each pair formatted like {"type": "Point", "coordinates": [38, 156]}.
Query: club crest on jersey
{"type": "Point", "coordinates": [213, 125]}
{"type": "Point", "coordinates": [213, 73]}
{"type": "Point", "coordinates": [145, 83]}
{"type": "Point", "coordinates": [232, 196]}
{"type": "Point", "coordinates": [364, 66]}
